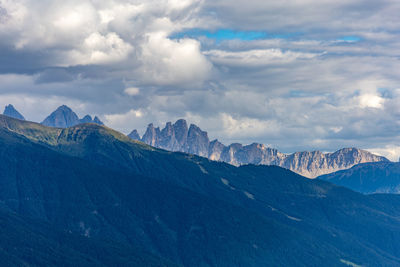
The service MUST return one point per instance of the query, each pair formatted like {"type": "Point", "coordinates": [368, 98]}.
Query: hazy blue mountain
{"type": "Point", "coordinates": [178, 137]}
{"type": "Point", "coordinates": [88, 119]}
{"type": "Point", "coordinates": [10, 111]}
{"type": "Point", "coordinates": [97, 120]}
{"type": "Point", "coordinates": [134, 135]}
{"type": "Point", "coordinates": [64, 117]}
{"type": "Point", "coordinates": [93, 181]}
{"type": "Point", "coordinates": [368, 178]}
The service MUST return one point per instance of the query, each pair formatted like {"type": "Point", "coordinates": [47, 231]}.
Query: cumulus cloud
{"type": "Point", "coordinates": [133, 34]}
{"type": "Point", "coordinates": [132, 91]}
{"type": "Point", "coordinates": [371, 101]}
{"type": "Point", "coordinates": [323, 75]}
{"type": "Point", "coordinates": [168, 62]}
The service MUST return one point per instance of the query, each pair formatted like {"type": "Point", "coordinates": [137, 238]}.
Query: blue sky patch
{"type": "Point", "coordinates": [350, 39]}
{"type": "Point", "coordinates": [222, 34]}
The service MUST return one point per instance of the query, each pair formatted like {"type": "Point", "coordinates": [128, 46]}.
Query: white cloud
{"type": "Point", "coordinates": [303, 90]}
{"type": "Point", "coordinates": [256, 57]}
{"type": "Point", "coordinates": [248, 127]}
{"type": "Point", "coordinates": [75, 32]}
{"type": "Point", "coordinates": [132, 91]}
{"type": "Point", "coordinates": [100, 49]}
{"type": "Point", "coordinates": [392, 152]}
{"type": "Point", "coordinates": [119, 121]}
{"type": "Point", "coordinates": [371, 101]}
{"type": "Point", "coordinates": [167, 62]}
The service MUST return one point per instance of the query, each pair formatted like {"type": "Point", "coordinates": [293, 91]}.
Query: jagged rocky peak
{"type": "Point", "coordinates": [215, 149]}
{"type": "Point", "coordinates": [178, 137]}
{"type": "Point", "coordinates": [10, 111]}
{"type": "Point", "coordinates": [181, 131]}
{"type": "Point", "coordinates": [167, 137]}
{"type": "Point", "coordinates": [172, 137]}
{"type": "Point", "coordinates": [134, 135]}
{"type": "Point", "coordinates": [64, 117]}
{"type": "Point", "coordinates": [315, 163]}
{"type": "Point", "coordinates": [197, 141]}
{"type": "Point", "coordinates": [151, 135]}
{"type": "Point", "coordinates": [356, 155]}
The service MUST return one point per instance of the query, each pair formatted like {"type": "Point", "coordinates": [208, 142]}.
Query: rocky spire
{"type": "Point", "coordinates": [177, 137]}
{"type": "Point", "coordinates": [10, 111]}
{"type": "Point", "coordinates": [151, 136]}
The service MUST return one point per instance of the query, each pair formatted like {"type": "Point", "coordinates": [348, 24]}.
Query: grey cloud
{"type": "Point", "coordinates": [309, 90]}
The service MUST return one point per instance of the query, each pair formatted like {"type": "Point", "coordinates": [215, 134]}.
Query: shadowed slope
{"type": "Point", "coordinates": [368, 178]}
{"type": "Point", "coordinates": [190, 209]}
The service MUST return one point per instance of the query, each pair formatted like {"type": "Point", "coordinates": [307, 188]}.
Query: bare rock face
{"type": "Point", "coordinates": [215, 149]}
{"type": "Point", "coordinates": [229, 153]}
{"type": "Point", "coordinates": [197, 141]}
{"type": "Point", "coordinates": [313, 164]}
{"type": "Point", "coordinates": [177, 137]}
{"type": "Point", "coordinates": [181, 132]}
{"type": "Point", "coordinates": [151, 136]}
{"type": "Point", "coordinates": [167, 138]}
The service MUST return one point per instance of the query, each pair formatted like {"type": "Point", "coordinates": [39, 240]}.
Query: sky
{"type": "Point", "coordinates": [293, 74]}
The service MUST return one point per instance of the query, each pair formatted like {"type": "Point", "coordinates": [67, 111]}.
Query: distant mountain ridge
{"type": "Point", "coordinates": [193, 140]}
{"type": "Point", "coordinates": [64, 117]}
{"type": "Point", "coordinates": [368, 178]}
{"type": "Point", "coordinates": [10, 111]}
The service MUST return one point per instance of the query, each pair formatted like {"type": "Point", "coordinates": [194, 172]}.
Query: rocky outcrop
{"type": "Point", "coordinates": [64, 117]}
{"type": "Point", "coordinates": [197, 141]}
{"type": "Point", "coordinates": [178, 137]}
{"type": "Point", "coordinates": [10, 111]}
{"type": "Point", "coordinates": [151, 136]}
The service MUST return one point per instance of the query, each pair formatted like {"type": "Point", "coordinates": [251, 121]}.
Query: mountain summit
{"type": "Point", "coordinates": [64, 117]}
{"type": "Point", "coordinates": [178, 137]}
{"type": "Point", "coordinates": [10, 111]}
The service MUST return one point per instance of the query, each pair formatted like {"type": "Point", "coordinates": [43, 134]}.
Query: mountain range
{"type": "Point", "coordinates": [180, 137]}
{"type": "Point", "coordinates": [88, 195]}
{"type": "Point", "coordinates": [193, 140]}
{"type": "Point", "coordinates": [62, 117]}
